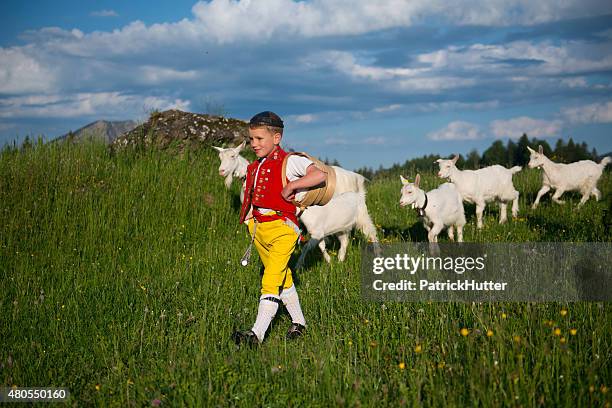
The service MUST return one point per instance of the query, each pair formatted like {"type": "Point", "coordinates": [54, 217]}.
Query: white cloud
{"type": "Point", "coordinates": [104, 13]}
{"type": "Point", "coordinates": [576, 82]}
{"type": "Point", "coordinates": [336, 141]}
{"type": "Point", "coordinates": [158, 75]}
{"type": "Point", "coordinates": [395, 79]}
{"type": "Point", "coordinates": [594, 113]}
{"type": "Point", "coordinates": [304, 118]}
{"type": "Point", "coordinates": [388, 108]}
{"type": "Point", "coordinates": [101, 104]}
{"type": "Point", "coordinates": [514, 128]}
{"type": "Point", "coordinates": [457, 130]}
{"type": "Point", "coordinates": [228, 21]}
{"type": "Point", "coordinates": [21, 72]}
{"type": "Point", "coordinates": [529, 58]}
{"type": "Point", "coordinates": [375, 140]}
{"type": "Point", "coordinates": [455, 106]}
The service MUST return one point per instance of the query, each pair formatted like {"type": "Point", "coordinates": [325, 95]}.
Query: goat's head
{"type": "Point", "coordinates": [536, 159]}
{"type": "Point", "coordinates": [409, 191]}
{"type": "Point", "coordinates": [229, 159]}
{"type": "Point", "coordinates": [446, 166]}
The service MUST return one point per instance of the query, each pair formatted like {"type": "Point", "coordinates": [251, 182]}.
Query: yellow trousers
{"type": "Point", "coordinates": [275, 242]}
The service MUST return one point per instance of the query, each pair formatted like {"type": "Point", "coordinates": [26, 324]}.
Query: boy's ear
{"type": "Point", "coordinates": [277, 138]}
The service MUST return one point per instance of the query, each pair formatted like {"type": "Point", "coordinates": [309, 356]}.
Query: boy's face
{"type": "Point", "coordinates": [263, 141]}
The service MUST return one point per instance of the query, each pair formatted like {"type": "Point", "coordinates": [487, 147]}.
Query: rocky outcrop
{"type": "Point", "coordinates": [175, 129]}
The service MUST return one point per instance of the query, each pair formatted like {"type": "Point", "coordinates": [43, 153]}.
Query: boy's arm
{"type": "Point", "coordinates": [313, 177]}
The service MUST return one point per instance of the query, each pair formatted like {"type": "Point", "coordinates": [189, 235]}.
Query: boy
{"type": "Point", "coordinates": [274, 222]}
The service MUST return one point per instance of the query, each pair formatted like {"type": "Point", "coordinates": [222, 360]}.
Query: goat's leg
{"type": "Point", "coordinates": [585, 196]}
{"type": "Point", "coordinates": [343, 237]}
{"type": "Point", "coordinates": [515, 204]}
{"type": "Point", "coordinates": [558, 195]}
{"type": "Point", "coordinates": [432, 236]}
{"type": "Point", "coordinates": [459, 233]}
{"type": "Point", "coordinates": [324, 251]}
{"type": "Point", "coordinates": [312, 242]}
{"type": "Point", "coordinates": [479, 210]}
{"type": "Point", "coordinates": [545, 189]}
{"type": "Point", "coordinates": [596, 193]}
{"type": "Point", "coordinates": [451, 233]}
{"type": "Point", "coordinates": [503, 212]}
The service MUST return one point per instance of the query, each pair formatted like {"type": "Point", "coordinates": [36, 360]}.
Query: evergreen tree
{"type": "Point", "coordinates": [510, 153]}
{"type": "Point", "coordinates": [473, 160]}
{"type": "Point", "coordinates": [496, 154]}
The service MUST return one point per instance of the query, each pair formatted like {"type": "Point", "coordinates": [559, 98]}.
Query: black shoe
{"type": "Point", "coordinates": [247, 337]}
{"type": "Point", "coordinates": [296, 330]}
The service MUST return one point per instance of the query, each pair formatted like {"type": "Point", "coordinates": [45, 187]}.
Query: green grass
{"type": "Point", "coordinates": [121, 281]}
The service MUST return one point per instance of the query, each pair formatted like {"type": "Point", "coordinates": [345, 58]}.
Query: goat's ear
{"type": "Point", "coordinates": [417, 180]}
{"type": "Point", "coordinates": [454, 159]}
{"type": "Point", "coordinates": [404, 180]}
{"type": "Point", "coordinates": [219, 149]}
{"type": "Point", "coordinates": [540, 149]}
{"type": "Point", "coordinates": [438, 161]}
{"type": "Point", "coordinates": [239, 148]}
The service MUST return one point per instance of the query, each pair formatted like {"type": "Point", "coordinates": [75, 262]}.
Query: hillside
{"type": "Point", "coordinates": [122, 282]}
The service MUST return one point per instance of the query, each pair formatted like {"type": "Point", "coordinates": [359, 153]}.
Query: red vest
{"type": "Point", "coordinates": [267, 193]}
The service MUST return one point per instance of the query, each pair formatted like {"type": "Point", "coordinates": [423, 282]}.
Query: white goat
{"type": "Point", "coordinates": [439, 208]}
{"type": "Point", "coordinates": [338, 217]}
{"type": "Point", "coordinates": [232, 164]}
{"type": "Point", "coordinates": [317, 219]}
{"type": "Point", "coordinates": [578, 176]}
{"type": "Point", "coordinates": [482, 186]}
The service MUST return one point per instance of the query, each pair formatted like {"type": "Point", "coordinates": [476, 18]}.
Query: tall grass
{"type": "Point", "coordinates": [121, 281]}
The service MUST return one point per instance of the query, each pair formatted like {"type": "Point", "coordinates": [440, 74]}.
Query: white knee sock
{"type": "Point", "coordinates": [266, 312]}
{"type": "Point", "coordinates": [292, 303]}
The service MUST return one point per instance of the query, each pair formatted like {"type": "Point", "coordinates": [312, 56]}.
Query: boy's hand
{"type": "Point", "coordinates": [288, 192]}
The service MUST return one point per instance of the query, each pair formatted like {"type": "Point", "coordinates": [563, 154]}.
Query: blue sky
{"type": "Point", "coordinates": [367, 83]}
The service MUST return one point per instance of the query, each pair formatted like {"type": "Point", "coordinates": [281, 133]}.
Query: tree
{"type": "Point", "coordinates": [473, 160]}
{"type": "Point", "coordinates": [496, 154]}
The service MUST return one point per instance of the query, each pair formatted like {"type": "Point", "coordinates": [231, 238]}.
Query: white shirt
{"type": "Point", "coordinates": [296, 168]}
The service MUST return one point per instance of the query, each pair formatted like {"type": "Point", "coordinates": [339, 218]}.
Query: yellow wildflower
{"type": "Point", "coordinates": [401, 365]}
{"type": "Point", "coordinates": [562, 340]}
{"type": "Point", "coordinates": [563, 312]}
{"type": "Point", "coordinates": [464, 332]}
{"type": "Point", "coordinates": [573, 332]}
{"type": "Point", "coordinates": [557, 331]}
{"type": "Point", "coordinates": [418, 348]}
{"type": "Point", "coordinates": [489, 333]}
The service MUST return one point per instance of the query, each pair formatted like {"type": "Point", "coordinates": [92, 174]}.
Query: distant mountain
{"type": "Point", "coordinates": [101, 129]}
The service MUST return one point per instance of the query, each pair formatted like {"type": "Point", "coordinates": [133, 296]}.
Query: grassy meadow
{"type": "Point", "coordinates": [121, 281]}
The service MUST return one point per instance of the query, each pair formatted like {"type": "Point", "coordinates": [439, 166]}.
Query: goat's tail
{"type": "Point", "coordinates": [604, 162]}
{"type": "Point", "coordinates": [516, 169]}
{"type": "Point", "coordinates": [364, 222]}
